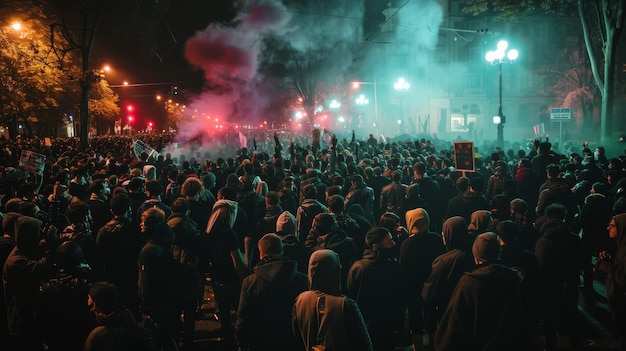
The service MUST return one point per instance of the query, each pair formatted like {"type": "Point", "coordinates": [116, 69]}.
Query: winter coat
{"type": "Point", "coordinates": [305, 214]}
{"type": "Point", "coordinates": [417, 254]}
{"type": "Point", "coordinates": [374, 282]}
{"type": "Point", "coordinates": [448, 268]}
{"type": "Point", "coordinates": [392, 196]}
{"type": "Point", "coordinates": [484, 312]}
{"type": "Point", "coordinates": [62, 310]}
{"type": "Point", "coordinates": [556, 190]}
{"type": "Point", "coordinates": [118, 245]}
{"type": "Point", "coordinates": [363, 195]}
{"type": "Point", "coordinates": [465, 204]}
{"type": "Point", "coordinates": [560, 255]}
{"type": "Point", "coordinates": [266, 305]}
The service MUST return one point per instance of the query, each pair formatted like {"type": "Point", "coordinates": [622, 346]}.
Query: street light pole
{"type": "Point", "coordinates": [501, 55]}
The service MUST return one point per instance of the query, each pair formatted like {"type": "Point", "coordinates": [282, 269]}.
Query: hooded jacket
{"type": "Point", "coordinates": [448, 268]}
{"type": "Point", "coordinates": [484, 312]}
{"type": "Point", "coordinates": [25, 269]}
{"type": "Point", "coordinates": [480, 222]}
{"type": "Point", "coordinates": [417, 253]}
{"type": "Point", "coordinates": [266, 305]}
{"type": "Point", "coordinates": [341, 325]}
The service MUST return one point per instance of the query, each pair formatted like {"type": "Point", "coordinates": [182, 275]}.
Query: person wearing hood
{"type": "Point", "coordinates": [157, 291]}
{"type": "Point", "coordinates": [374, 282]}
{"type": "Point", "coordinates": [360, 194]}
{"type": "Point", "coordinates": [27, 266]}
{"type": "Point", "coordinates": [448, 268]}
{"type": "Point", "coordinates": [266, 300]}
{"type": "Point", "coordinates": [560, 255]}
{"type": "Point", "coordinates": [614, 267]}
{"type": "Point", "coordinates": [430, 191]}
{"type": "Point", "coordinates": [417, 254]}
{"type": "Point", "coordinates": [293, 248]}
{"type": "Point", "coordinates": [485, 309]}
{"type": "Point", "coordinates": [114, 321]}
{"type": "Point", "coordinates": [468, 201]}
{"type": "Point", "coordinates": [322, 316]}
{"type": "Point", "coordinates": [325, 234]}
{"type": "Point", "coordinates": [480, 222]}
{"type": "Point", "coordinates": [227, 269]}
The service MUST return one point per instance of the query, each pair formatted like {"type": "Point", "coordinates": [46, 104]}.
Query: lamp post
{"type": "Point", "coordinates": [401, 85]}
{"type": "Point", "coordinates": [498, 57]}
{"type": "Point", "coordinates": [356, 85]}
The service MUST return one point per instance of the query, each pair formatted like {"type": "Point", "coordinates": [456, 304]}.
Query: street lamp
{"type": "Point", "coordinates": [362, 100]}
{"type": "Point", "coordinates": [498, 57]}
{"type": "Point", "coordinates": [401, 85]}
{"type": "Point", "coordinates": [356, 85]}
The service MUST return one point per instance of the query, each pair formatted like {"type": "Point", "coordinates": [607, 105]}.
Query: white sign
{"type": "Point", "coordinates": [561, 114]}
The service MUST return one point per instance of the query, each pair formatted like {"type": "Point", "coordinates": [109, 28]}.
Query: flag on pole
{"type": "Point", "coordinates": [243, 141]}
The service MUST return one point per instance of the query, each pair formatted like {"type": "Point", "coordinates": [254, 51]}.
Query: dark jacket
{"type": "Point", "coordinates": [374, 282]}
{"type": "Point", "coordinates": [488, 296]}
{"type": "Point", "coordinates": [118, 244]}
{"type": "Point", "coordinates": [157, 292]}
{"type": "Point", "coordinates": [24, 271]}
{"type": "Point", "coordinates": [465, 204]}
{"type": "Point", "coordinates": [448, 268]}
{"type": "Point", "coordinates": [560, 255]}
{"type": "Point", "coordinates": [305, 214]}
{"type": "Point", "coordinates": [392, 196]}
{"type": "Point", "coordinates": [62, 310]}
{"type": "Point", "coordinates": [266, 305]}
{"type": "Point", "coordinates": [363, 195]}
{"type": "Point", "coordinates": [556, 190]}
{"type": "Point", "coordinates": [106, 336]}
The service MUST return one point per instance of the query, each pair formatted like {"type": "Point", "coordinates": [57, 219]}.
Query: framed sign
{"type": "Point", "coordinates": [464, 156]}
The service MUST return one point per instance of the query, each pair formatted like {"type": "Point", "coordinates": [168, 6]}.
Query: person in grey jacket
{"type": "Point", "coordinates": [322, 316]}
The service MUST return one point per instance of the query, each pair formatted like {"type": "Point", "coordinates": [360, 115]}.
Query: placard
{"type": "Point", "coordinates": [464, 156]}
{"type": "Point", "coordinates": [32, 162]}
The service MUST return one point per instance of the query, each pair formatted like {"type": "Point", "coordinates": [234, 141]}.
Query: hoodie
{"type": "Point", "coordinates": [417, 221]}
{"type": "Point", "coordinates": [341, 325]}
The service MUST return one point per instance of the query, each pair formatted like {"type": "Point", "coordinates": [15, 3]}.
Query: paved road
{"type": "Point", "coordinates": [599, 330]}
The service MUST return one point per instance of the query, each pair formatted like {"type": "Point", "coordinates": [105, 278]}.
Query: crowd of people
{"type": "Point", "coordinates": [341, 245]}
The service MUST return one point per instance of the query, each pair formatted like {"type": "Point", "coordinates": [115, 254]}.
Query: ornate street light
{"type": "Point", "coordinates": [501, 55]}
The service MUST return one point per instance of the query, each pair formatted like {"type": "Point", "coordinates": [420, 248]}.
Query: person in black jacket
{"type": "Point", "coordinates": [325, 234]}
{"type": "Point", "coordinates": [62, 311]}
{"type": "Point", "coordinates": [118, 245]}
{"type": "Point", "coordinates": [266, 300]}
{"type": "Point", "coordinates": [417, 254]}
{"type": "Point", "coordinates": [560, 254]}
{"type": "Point", "coordinates": [374, 283]}
{"type": "Point", "coordinates": [448, 268]}
{"type": "Point", "coordinates": [487, 296]}
{"type": "Point", "coordinates": [157, 288]}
